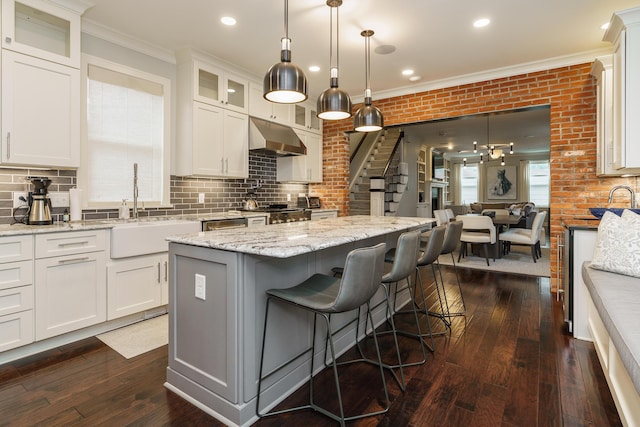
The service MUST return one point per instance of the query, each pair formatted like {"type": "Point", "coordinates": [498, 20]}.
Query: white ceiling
{"type": "Point", "coordinates": [433, 37]}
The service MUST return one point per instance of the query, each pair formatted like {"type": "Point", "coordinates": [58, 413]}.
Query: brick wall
{"type": "Point", "coordinates": [570, 93]}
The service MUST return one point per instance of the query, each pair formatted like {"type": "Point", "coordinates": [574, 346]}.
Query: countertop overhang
{"type": "Point", "coordinates": [292, 239]}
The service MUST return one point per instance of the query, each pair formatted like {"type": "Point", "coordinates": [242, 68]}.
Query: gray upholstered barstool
{"type": "Point", "coordinates": [429, 255]}
{"type": "Point", "coordinates": [404, 263]}
{"type": "Point", "coordinates": [324, 295]}
{"type": "Point", "coordinates": [451, 242]}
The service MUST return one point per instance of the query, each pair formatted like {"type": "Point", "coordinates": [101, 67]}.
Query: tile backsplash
{"type": "Point", "coordinates": [220, 194]}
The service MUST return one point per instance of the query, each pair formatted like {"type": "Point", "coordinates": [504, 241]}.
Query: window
{"type": "Point", "coordinates": [469, 184]}
{"type": "Point", "coordinates": [127, 122]}
{"type": "Point", "coordinates": [539, 182]}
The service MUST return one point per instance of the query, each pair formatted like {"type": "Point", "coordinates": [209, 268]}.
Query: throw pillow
{"type": "Point", "coordinates": [630, 216]}
{"type": "Point", "coordinates": [618, 245]}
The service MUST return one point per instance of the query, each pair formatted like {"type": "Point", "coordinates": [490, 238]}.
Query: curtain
{"type": "Point", "coordinates": [523, 181]}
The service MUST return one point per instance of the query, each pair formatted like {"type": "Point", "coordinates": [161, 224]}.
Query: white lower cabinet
{"type": "Point", "coordinates": [136, 284]}
{"type": "Point", "coordinates": [16, 317]}
{"type": "Point", "coordinates": [70, 290]}
{"type": "Point", "coordinates": [16, 291]}
{"type": "Point", "coordinates": [323, 215]}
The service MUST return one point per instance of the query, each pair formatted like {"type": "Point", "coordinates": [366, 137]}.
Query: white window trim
{"type": "Point", "coordinates": [82, 175]}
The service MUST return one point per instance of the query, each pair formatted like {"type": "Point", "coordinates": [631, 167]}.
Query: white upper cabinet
{"type": "Point", "coordinates": [213, 127]}
{"type": "Point", "coordinates": [215, 86]}
{"type": "Point", "coordinates": [305, 118]}
{"type": "Point", "coordinates": [624, 33]}
{"type": "Point", "coordinates": [41, 29]}
{"type": "Point", "coordinates": [306, 168]}
{"type": "Point", "coordinates": [40, 112]}
{"type": "Point", "coordinates": [602, 71]}
{"type": "Point", "coordinates": [40, 84]}
{"type": "Point", "coordinates": [267, 110]}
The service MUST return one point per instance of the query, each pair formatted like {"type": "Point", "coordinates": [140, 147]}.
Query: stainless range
{"type": "Point", "coordinates": [282, 213]}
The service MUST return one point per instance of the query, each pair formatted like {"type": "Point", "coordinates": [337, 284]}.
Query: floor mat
{"type": "Point", "coordinates": [136, 339]}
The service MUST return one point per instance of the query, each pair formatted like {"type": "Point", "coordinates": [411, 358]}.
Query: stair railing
{"type": "Point", "coordinates": [393, 153]}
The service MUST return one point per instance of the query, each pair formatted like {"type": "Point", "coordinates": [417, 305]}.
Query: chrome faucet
{"type": "Point", "coordinates": [135, 191]}
{"type": "Point", "coordinates": [626, 187]}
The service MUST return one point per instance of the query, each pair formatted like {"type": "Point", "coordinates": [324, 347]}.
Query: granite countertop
{"type": "Point", "coordinates": [57, 227]}
{"type": "Point", "coordinates": [291, 239]}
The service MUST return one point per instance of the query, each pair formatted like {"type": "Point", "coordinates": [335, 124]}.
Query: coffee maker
{"type": "Point", "coordinates": [39, 203]}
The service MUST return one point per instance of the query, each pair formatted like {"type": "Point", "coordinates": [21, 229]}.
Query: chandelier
{"type": "Point", "coordinates": [491, 151]}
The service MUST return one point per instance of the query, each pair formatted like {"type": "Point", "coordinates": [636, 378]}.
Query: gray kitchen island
{"type": "Point", "coordinates": [217, 301]}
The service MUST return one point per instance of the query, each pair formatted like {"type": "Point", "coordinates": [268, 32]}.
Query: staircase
{"type": "Point", "coordinates": [395, 180]}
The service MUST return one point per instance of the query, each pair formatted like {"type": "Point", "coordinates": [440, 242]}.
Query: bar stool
{"type": "Point", "coordinates": [324, 295]}
{"type": "Point", "coordinates": [429, 255]}
{"type": "Point", "coordinates": [406, 255]}
{"type": "Point", "coordinates": [451, 241]}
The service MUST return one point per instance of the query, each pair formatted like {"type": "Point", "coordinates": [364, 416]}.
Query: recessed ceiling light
{"type": "Point", "coordinates": [604, 26]}
{"type": "Point", "coordinates": [227, 20]}
{"type": "Point", "coordinates": [483, 22]}
{"type": "Point", "coordinates": [407, 72]}
{"type": "Point", "coordinates": [314, 68]}
{"type": "Point", "coordinates": [415, 78]}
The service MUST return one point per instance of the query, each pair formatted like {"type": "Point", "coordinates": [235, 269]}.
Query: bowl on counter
{"type": "Point", "coordinates": [599, 212]}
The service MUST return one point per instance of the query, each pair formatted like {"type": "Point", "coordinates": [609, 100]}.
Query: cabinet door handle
{"type": "Point", "coordinates": [166, 271]}
{"type": "Point", "coordinates": [73, 260]}
{"type": "Point", "coordinates": [158, 272]}
{"type": "Point", "coordinates": [62, 245]}
{"type": "Point", "coordinates": [8, 145]}
{"type": "Point", "coordinates": [226, 165]}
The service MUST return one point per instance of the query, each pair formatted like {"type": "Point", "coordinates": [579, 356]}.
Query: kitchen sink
{"type": "Point", "coordinates": [147, 237]}
{"type": "Point", "coordinates": [599, 212]}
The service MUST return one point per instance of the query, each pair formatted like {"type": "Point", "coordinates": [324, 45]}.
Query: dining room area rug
{"type": "Point", "coordinates": [517, 261]}
{"type": "Point", "coordinates": [138, 338]}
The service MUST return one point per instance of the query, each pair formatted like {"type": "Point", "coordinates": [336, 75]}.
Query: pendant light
{"type": "Point", "coordinates": [334, 103]}
{"type": "Point", "coordinates": [285, 83]}
{"type": "Point", "coordinates": [368, 118]}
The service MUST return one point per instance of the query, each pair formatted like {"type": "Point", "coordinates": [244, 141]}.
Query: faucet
{"type": "Point", "coordinates": [626, 187]}
{"type": "Point", "coordinates": [135, 191]}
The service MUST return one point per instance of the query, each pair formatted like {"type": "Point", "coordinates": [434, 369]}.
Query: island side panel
{"type": "Point", "coordinates": [203, 334]}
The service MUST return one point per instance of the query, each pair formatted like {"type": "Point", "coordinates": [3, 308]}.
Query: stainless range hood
{"type": "Point", "coordinates": [274, 137]}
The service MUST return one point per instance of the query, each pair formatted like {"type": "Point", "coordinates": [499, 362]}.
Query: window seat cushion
{"type": "Point", "coordinates": [617, 300]}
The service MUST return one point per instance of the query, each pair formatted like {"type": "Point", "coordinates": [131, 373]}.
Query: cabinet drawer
{"type": "Point", "coordinates": [77, 242]}
{"type": "Point", "coordinates": [16, 300]}
{"type": "Point", "coordinates": [16, 330]}
{"type": "Point", "coordinates": [16, 248]}
{"type": "Point", "coordinates": [16, 274]}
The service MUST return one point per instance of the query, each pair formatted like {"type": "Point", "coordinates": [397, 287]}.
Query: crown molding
{"type": "Point", "coordinates": [497, 73]}
{"type": "Point", "coordinates": [94, 29]}
{"type": "Point", "coordinates": [78, 6]}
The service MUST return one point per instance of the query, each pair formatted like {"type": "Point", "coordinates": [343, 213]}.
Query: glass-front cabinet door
{"type": "Point", "coordinates": [42, 30]}
{"type": "Point", "coordinates": [216, 87]}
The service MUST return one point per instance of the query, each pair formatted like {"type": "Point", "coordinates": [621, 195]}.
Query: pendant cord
{"type": "Point", "coordinates": [286, 19]}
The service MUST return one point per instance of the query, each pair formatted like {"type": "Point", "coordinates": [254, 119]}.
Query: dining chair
{"type": "Point", "coordinates": [477, 229]}
{"type": "Point", "coordinates": [441, 216]}
{"type": "Point", "coordinates": [526, 237]}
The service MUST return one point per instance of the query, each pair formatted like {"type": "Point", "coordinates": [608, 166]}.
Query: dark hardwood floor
{"type": "Point", "coordinates": [510, 364]}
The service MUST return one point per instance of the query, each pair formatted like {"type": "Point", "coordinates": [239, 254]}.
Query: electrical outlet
{"type": "Point", "coordinates": [16, 198]}
{"type": "Point", "coordinates": [59, 199]}
{"type": "Point", "coordinates": [200, 197]}
{"type": "Point", "coordinates": [201, 287]}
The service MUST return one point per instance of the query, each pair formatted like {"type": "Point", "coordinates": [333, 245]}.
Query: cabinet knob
{"type": "Point", "coordinates": [7, 39]}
